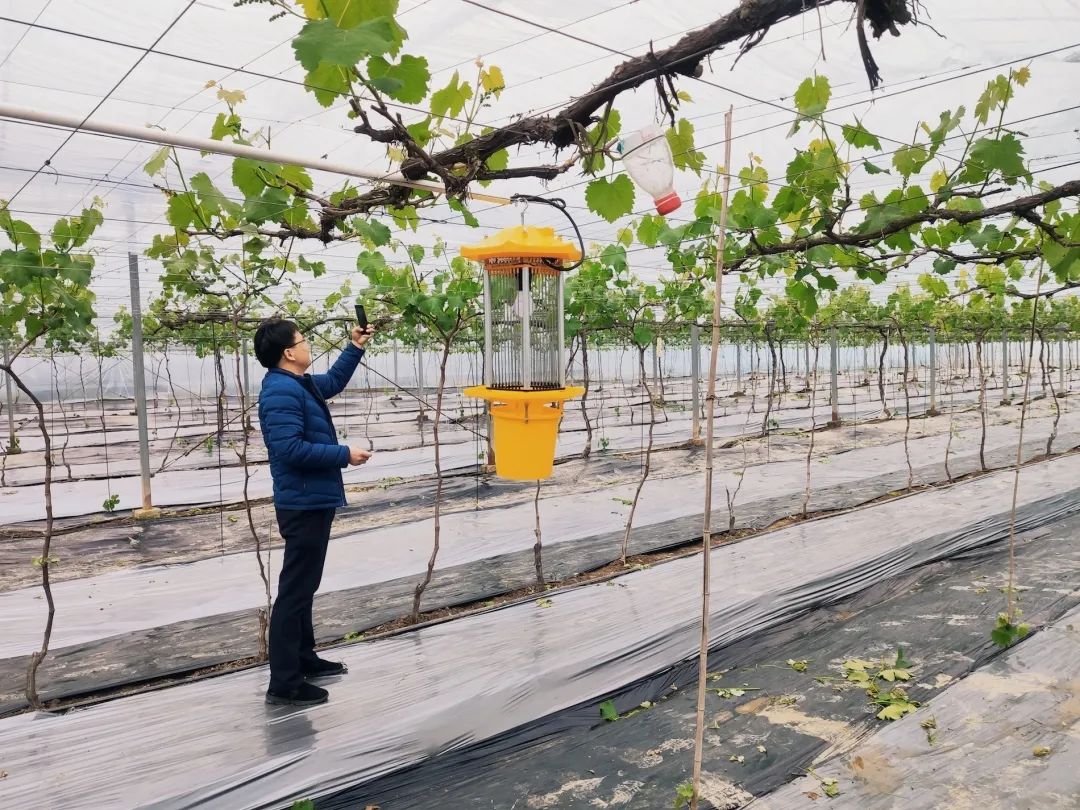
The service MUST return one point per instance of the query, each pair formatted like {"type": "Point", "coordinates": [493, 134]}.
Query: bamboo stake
{"type": "Point", "coordinates": [706, 533]}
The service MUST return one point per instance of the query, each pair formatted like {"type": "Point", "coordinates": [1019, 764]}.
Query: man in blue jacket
{"type": "Point", "coordinates": [305, 463]}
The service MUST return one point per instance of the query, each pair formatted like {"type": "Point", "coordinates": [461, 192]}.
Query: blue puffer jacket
{"type": "Point", "coordinates": [305, 457]}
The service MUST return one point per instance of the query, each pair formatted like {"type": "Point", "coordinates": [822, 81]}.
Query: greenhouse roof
{"type": "Point", "coordinates": [161, 64]}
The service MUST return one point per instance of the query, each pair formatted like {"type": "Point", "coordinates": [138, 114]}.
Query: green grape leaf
{"type": "Point", "coordinates": [421, 132]}
{"type": "Point", "coordinates": [872, 169]}
{"type": "Point", "coordinates": [62, 233]}
{"type": "Point", "coordinates": [858, 136]}
{"type": "Point", "coordinates": [210, 197]}
{"type": "Point", "coordinates": [407, 81]}
{"type": "Point", "coordinates": [498, 161]}
{"type": "Point", "coordinates": [643, 335]}
{"type": "Point", "coordinates": [608, 711]}
{"type": "Point", "coordinates": [315, 268]}
{"type": "Point", "coordinates": [451, 99]}
{"type": "Point", "coordinates": [405, 217]}
{"type": "Point", "coordinates": [933, 285]}
{"type": "Point", "coordinates": [296, 215]}
{"type": "Point", "coordinates": [322, 42]}
{"type": "Point", "coordinates": [224, 124]}
{"type": "Point", "coordinates": [492, 81]}
{"type": "Point", "coordinates": [157, 161]}
{"type": "Point", "coordinates": [20, 232]}
{"type": "Point", "coordinates": [348, 13]}
{"type": "Point", "coordinates": [909, 160]}
{"type": "Point", "coordinates": [271, 205]}
{"type": "Point", "coordinates": [894, 711]}
{"type": "Point", "coordinates": [371, 263]}
{"type": "Point", "coordinates": [466, 215]}
{"type": "Point", "coordinates": [247, 177]}
{"type": "Point", "coordinates": [297, 175]}
{"type": "Point", "coordinates": [812, 97]}
{"type": "Point", "coordinates": [948, 121]}
{"type": "Point", "coordinates": [182, 210]}
{"type": "Point", "coordinates": [598, 135]}
{"type": "Point", "coordinates": [1003, 155]}
{"type": "Point", "coordinates": [648, 231]}
{"type": "Point", "coordinates": [681, 139]}
{"type": "Point", "coordinates": [372, 231]}
{"type": "Point", "coordinates": [610, 199]}
{"type": "Point", "coordinates": [327, 82]}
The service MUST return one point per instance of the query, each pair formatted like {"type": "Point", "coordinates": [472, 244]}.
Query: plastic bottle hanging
{"type": "Point", "coordinates": [648, 160]}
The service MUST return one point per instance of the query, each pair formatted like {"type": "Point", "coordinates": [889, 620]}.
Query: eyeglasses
{"type": "Point", "coordinates": [298, 343]}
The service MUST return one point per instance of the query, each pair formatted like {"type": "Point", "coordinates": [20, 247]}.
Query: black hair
{"type": "Point", "coordinates": [272, 338]}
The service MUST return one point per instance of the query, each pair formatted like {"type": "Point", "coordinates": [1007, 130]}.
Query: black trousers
{"type": "Point", "coordinates": [292, 638]}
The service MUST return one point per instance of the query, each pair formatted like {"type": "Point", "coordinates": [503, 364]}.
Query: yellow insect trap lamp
{"type": "Point", "coordinates": [524, 370]}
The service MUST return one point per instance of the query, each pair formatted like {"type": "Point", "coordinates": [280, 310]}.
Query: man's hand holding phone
{"type": "Point", "coordinates": [362, 332]}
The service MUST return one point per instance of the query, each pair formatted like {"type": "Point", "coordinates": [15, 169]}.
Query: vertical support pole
{"type": "Point", "coordinates": [834, 389]}
{"type": "Point", "coordinates": [562, 330]}
{"type": "Point", "coordinates": [13, 442]}
{"type": "Point", "coordinates": [489, 372]}
{"type": "Point", "coordinates": [1061, 364]}
{"type": "Point", "coordinates": [247, 367]}
{"type": "Point", "coordinates": [246, 418]}
{"type": "Point", "coordinates": [1005, 399]}
{"type": "Point", "coordinates": [706, 534]}
{"type": "Point", "coordinates": [396, 377]}
{"type": "Point", "coordinates": [933, 373]}
{"type": "Point", "coordinates": [695, 382]}
{"type": "Point", "coordinates": [738, 368]}
{"type": "Point", "coordinates": [526, 330]}
{"type": "Point", "coordinates": [656, 364]}
{"type": "Point", "coordinates": [139, 373]}
{"type": "Point", "coordinates": [807, 369]}
{"type": "Point", "coordinates": [420, 374]}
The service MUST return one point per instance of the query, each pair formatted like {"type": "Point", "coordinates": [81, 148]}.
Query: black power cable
{"type": "Point", "coordinates": [559, 204]}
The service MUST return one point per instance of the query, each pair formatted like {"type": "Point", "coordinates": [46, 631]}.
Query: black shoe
{"type": "Point", "coordinates": [304, 695]}
{"type": "Point", "coordinates": [324, 669]}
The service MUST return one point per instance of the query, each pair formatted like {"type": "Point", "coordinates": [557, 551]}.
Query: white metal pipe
{"type": "Point", "coordinates": [151, 135]}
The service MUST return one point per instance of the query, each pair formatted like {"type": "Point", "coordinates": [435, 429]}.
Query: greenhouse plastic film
{"type": "Point", "coordinates": [1007, 737]}
{"type": "Point", "coordinates": [179, 487]}
{"type": "Point", "coordinates": [441, 688]}
{"type": "Point", "coordinates": [147, 597]}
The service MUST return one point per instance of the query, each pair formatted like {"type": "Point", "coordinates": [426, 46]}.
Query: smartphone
{"type": "Point", "coordinates": [361, 316]}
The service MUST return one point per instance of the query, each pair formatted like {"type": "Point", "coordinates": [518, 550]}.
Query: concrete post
{"type": "Point", "coordinates": [1061, 365]}
{"type": "Point", "coordinates": [13, 442]}
{"type": "Point", "coordinates": [834, 391]}
{"type": "Point", "coordinates": [246, 398]}
{"type": "Point", "coordinates": [1005, 398]}
{"type": "Point", "coordinates": [147, 510]}
{"type": "Point", "coordinates": [656, 365]}
{"type": "Point", "coordinates": [933, 373]}
{"type": "Point", "coordinates": [244, 351]}
{"type": "Point", "coordinates": [738, 368]}
{"type": "Point", "coordinates": [420, 379]}
{"type": "Point", "coordinates": [695, 382]}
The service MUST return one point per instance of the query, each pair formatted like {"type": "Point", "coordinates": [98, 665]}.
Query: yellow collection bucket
{"type": "Point", "coordinates": [525, 429]}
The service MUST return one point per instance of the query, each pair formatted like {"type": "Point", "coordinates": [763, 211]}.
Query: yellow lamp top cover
{"type": "Point", "coordinates": [523, 241]}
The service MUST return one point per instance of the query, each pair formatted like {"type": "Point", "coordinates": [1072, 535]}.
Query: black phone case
{"type": "Point", "coordinates": [361, 316]}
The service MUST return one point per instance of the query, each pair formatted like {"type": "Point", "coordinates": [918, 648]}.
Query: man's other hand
{"type": "Point", "coordinates": [356, 455]}
{"type": "Point", "coordinates": [360, 336]}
